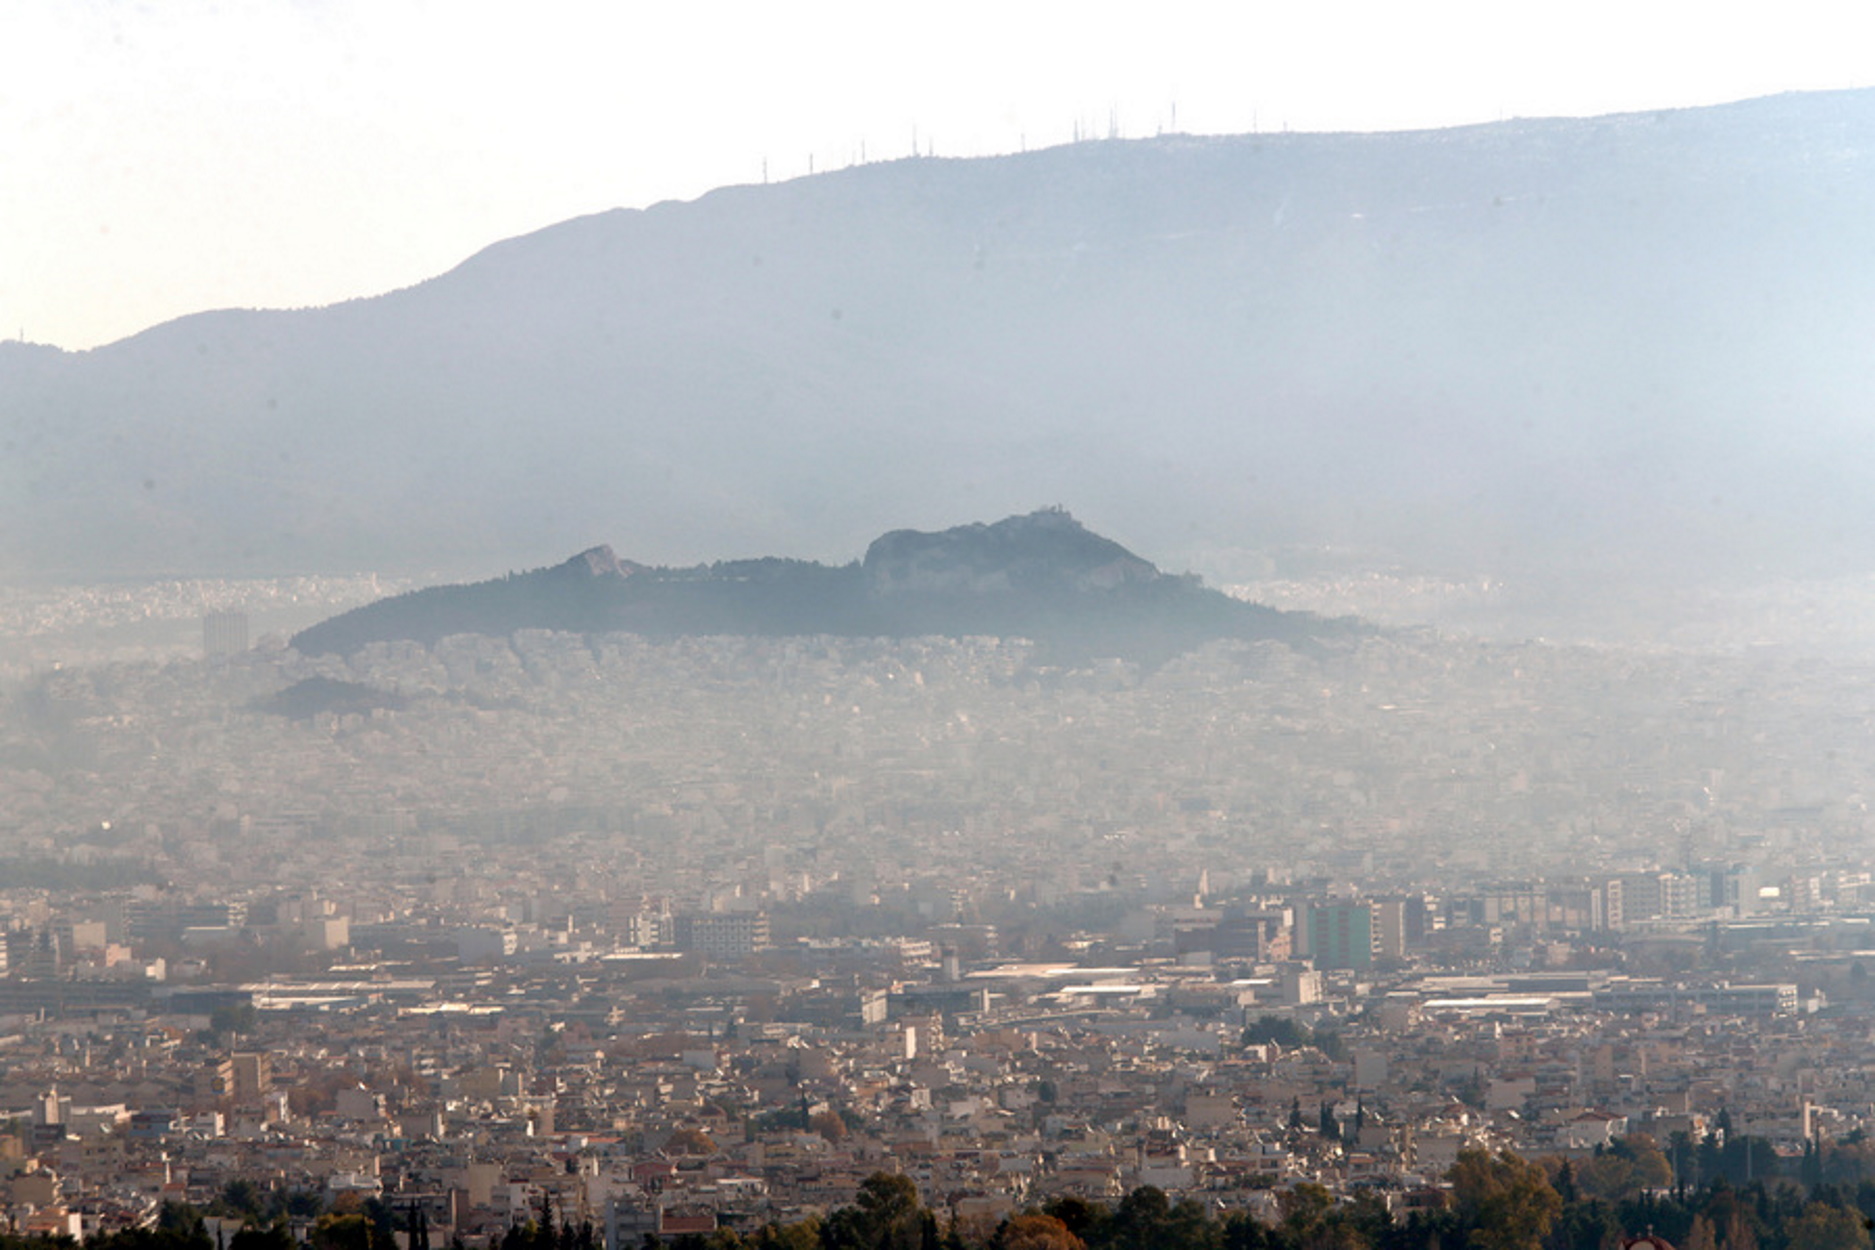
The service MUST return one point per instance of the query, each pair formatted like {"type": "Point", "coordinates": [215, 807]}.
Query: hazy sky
{"type": "Point", "coordinates": [159, 157]}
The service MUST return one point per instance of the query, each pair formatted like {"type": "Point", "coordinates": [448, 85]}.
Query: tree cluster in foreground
{"type": "Point", "coordinates": [1824, 1201]}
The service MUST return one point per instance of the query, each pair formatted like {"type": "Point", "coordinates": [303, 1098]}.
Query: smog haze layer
{"type": "Point", "coordinates": [1593, 357]}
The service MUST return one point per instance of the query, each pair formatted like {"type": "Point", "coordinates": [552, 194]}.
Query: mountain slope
{"type": "Point", "coordinates": [1632, 343]}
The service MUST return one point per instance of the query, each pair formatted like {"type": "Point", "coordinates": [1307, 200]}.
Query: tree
{"type": "Point", "coordinates": [799, 1235]}
{"type": "Point", "coordinates": [1189, 1226]}
{"type": "Point", "coordinates": [305, 1203]}
{"type": "Point", "coordinates": [1139, 1221]}
{"type": "Point", "coordinates": [188, 1234]}
{"type": "Point", "coordinates": [1079, 1216]}
{"type": "Point", "coordinates": [1586, 1226]}
{"type": "Point", "coordinates": [1652, 1168]}
{"type": "Point", "coordinates": [241, 1196]}
{"type": "Point", "coordinates": [1739, 1231]}
{"type": "Point", "coordinates": [1330, 1127]}
{"type": "Point", "coordinates": [1826, 1227]}
{"type": "Point", "coordinates": [1147, 1220]}
{"type": "Point", "coordinates": [1313, 1220]}
{"type": "Point", "coordinates": [1031, 1230]}
{"type": "Point", "coordinates": [692, 1141]}
{"type": "Point", "coordinates": [274, 1236]}
{"type": "Point", "coordinates": [342, 1232]}
{"type": "Point", "coordinates": [886, 1215]}
{"type": "Point", "coordinates": [180, 1217]}
{"type": "Point", "coordinates": [239, 1019]}
{"type": "Point", "coordinates": [1243, 1231]}
{"type": "Point", "coordinates": [1506, 1202]}
{"type": "Point", "coordinates": [1614, 1176]}
{"type": "Point", "coordinates": [1304, 1205]}
{"type": "Point", "coordinates": [1280, 1030]}
{"type": "Point", "coordinates": [1566, 1181]}
{"type": "Point", "coordinates": [383, 1219]}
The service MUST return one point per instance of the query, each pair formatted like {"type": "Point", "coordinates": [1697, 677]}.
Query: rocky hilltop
{"type": "Point", "coordinates": [1044, 550]}
{"type": "Point", "coordinates": [1043, 576]}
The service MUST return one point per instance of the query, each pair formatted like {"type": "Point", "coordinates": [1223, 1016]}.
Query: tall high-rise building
{"type": "Point", "coordinates": [723, 935]}
{"type": "Point", "coordinates": [253, 1076]}
{"type": "Point", "coordinates": [224, 633]}
{"type": "Point", "coordinates": [1390, 928]}
{"type": "Point", "coordinates": [1341, 935]}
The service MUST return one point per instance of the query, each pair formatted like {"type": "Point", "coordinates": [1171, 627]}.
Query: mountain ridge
{"type": "Point", "coordinates": [1629, 343]}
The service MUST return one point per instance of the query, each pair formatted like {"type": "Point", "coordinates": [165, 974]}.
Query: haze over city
{"type": "Point", "coordinates": [946, 628]}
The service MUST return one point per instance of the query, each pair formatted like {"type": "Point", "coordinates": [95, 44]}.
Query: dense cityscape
{"type": "Point", "coordinates": [722, 938]}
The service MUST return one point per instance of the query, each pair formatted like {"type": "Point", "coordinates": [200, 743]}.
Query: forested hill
{"type": "Point", "coordinates": [1042, 576]}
